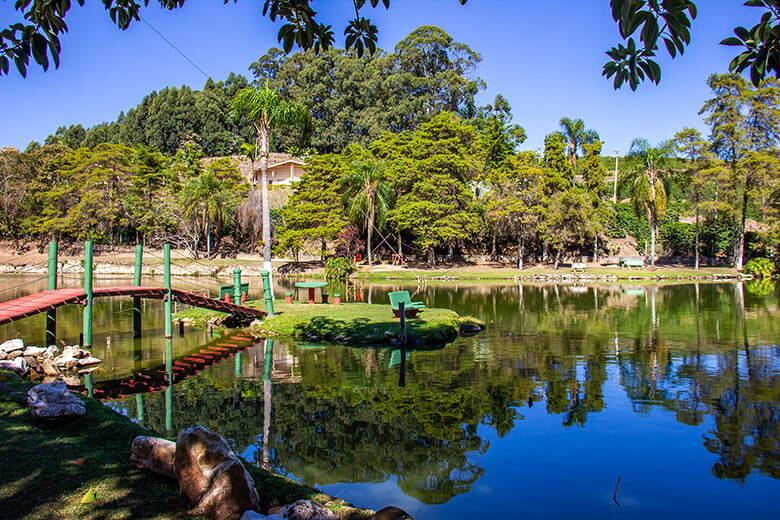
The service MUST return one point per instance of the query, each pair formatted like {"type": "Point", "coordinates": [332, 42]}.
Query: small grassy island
{"type": "Point", "coordinates": [349, 323]}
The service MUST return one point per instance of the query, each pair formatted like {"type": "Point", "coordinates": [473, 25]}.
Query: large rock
{"type": "Point", "coordinates": [211, 475]}
{"type": "Point", "coordinates": [53, 401]}
{"type": "Point", "coordinates": [306, 510]}
{"type": "Point", "coordinates": [154, 454]}
{"type": "Point", "coordinates": [390, 513]}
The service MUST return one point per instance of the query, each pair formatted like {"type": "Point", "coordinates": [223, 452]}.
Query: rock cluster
{"type": "Point", "coordinates": [47, 362]}
{"type": "Point", "coordinates": [213, 478]}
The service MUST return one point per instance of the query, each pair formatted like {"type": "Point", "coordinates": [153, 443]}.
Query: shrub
{"type": "Point", "coordinates": [678, 238]}
{"type": "Point", "coordinates": [339, 268]}
{"type": "Point", "coordinates": [760, 267]}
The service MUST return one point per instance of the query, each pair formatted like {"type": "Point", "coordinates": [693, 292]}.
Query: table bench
{"type": "Point", "coordinates": [311, 286]}
{"type": "Point", "coordinates": [578, 266]}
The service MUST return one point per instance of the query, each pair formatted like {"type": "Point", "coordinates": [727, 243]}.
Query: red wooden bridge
{"type": "Point", "coordinates": [43, 301]}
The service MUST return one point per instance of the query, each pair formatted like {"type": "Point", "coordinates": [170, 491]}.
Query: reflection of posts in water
{"type": "Point", "coordinates": [51, 316]}
{"type": "Point", "coordinates": [138, 355]}
{"type": "Point", "coordinates": [168, 292]}
{"type": "Point", "coordinates": [169, 387]}
{"type": "Point", "coordinates": [139, 251]}
{"type": "Point", "coordinates": [402, 373]}
{"type": "Point", "coordinates": [267, 367]}
{"type": "Point", "coordinates": [237, 364]}
{"type": "Point", "coordinates": [139, 407]}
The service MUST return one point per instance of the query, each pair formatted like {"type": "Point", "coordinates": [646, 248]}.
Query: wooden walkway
{"type": "Point", "coordinates": [43, 301]}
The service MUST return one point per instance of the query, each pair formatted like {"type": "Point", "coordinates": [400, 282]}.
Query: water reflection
{"type": "Point", "coordinates": [610, 368]}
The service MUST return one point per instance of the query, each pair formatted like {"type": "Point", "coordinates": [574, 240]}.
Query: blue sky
{"type": "Point", "coordinates": [545, 57]}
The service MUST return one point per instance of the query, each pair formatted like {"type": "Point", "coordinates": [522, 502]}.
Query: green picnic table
{"type": "Point", "coordinates": [310, 286]}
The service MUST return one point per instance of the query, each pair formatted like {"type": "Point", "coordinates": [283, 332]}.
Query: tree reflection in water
{"type": "Point", "coordinates": [344, 415]}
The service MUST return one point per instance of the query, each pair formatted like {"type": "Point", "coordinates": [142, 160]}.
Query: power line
{"type": "Point", "coordinates": [174, 47]}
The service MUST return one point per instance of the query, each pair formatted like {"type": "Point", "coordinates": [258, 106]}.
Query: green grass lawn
{"type": "Point", "coordinates": [38, 479]}
{"type": "Point", "coordinates": [359, 322]}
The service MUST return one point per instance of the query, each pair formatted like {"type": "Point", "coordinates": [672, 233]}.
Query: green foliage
{"type": "Point", "coordinates": [313, 213]}
{"type": "Point", "coordinates": [760, 268]}
{"type": "Point", "coordinates": [625, 222]}
{"type": "Point", "coordinates": [339, 268]}
{"type": "Point", "coordinates": [677, 238]}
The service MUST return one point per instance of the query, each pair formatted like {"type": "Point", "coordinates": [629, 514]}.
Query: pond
{"type": "Point", "coordinates": [673, 389]}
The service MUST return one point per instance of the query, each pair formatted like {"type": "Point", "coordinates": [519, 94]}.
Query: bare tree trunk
{"type": "Point", "coordinates": [370, 232]}
{"type": "Point", "coordinates": [557, 257]}
{"type": "Point", "coordinates": [208, 236]}
{"type": "Point", "coordinates": [431, 256]}
{"type": "Point", "coordinates": [696, 245]}
{"type": "Point", "coordinates": [739, 235]}
{"type": "Point", "coordinates": [493, 255]}
{"type": "Point", "coordinates": [265, 150]}
{"type": "Point", "coordinates": [400, 245]}
{"type": "Point", "coordinates": [596, 249]}
{"type": "Point", "coordinates": [653, 228]}
{"type": "Point", "coordinates": [449, 251]}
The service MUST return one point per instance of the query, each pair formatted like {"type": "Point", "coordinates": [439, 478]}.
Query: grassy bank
{"type": "Point", "coordinates": [39, 480]}
{"type": "Point", "coordinates": [347, 323]}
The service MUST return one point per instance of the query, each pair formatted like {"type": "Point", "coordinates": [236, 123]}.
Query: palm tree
{"type": "Point", "coordinates": [649, 181]}
{"type": "Point", "coordinates": [576, 134]}
{"type": "Point", "coordinates": [367, 196]}
{"type": "Point", "coordinates": [267, 110]}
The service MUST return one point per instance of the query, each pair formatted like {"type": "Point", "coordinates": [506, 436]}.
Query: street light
{"type": "Point", "coordinates": [614, 189]}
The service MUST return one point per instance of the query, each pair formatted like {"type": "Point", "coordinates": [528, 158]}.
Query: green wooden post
{"type": "Point", "coordinates": [51, 316]}
{"type": "Point", "coordinates": [169, 293]}
{"type": "Point", "coordinates": [88, 289]}
{"type": "Point", "coordinates": [139, 252]}
{"type": "Point", "coordinates": [237, 286]}
{"type": "Point", "coordinates": [139, 405]}
{"type": "Point", "coordinates": [169, 388]}
{"type": "Point", "coordinates": [267, 296]}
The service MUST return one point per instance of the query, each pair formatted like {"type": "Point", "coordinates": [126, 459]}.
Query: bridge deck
{"type": "Point", "coordinates": [48, 300]}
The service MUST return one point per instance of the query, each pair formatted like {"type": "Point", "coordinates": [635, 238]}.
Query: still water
{"type": "Point", "coordinates": [675, 389]}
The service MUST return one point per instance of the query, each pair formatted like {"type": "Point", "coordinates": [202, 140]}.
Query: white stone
{"type": "Point", "coordinates": [307, 510]}
{"type": "Point", "coordinates": [72, 351]}
{"type": "Point", "coordinates": [89, 360]}
{"type": "Point", "coordinates": [12, 345]}
{"type": "Point", "coordinates": [34, 351]}
{"type": "Point", "coordinates": [18, 365]}
{"type": "Point", "coordinates": [54, 401]}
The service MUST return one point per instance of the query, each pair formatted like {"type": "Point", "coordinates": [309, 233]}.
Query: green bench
{"type": "Point", "coordinates": [639, 263]}
{"type": "Point", "coordinates": [410, 308]}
